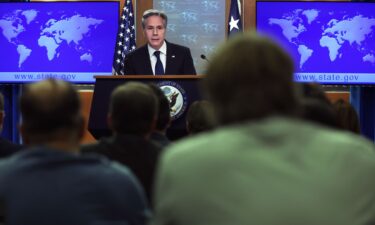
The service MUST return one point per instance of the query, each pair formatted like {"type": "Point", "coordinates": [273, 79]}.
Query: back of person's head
{"type": "Point", "coordinates": [133, 109]}
{"type": "Point", "coordinates": [250, 77]}
{"type": "Point", "coordinates": [346, 116]}
{"type": "Point", "coordinates": [50, 111]}
{"type": "Point", "coordinates": [318, 111]}
{"type": "Point", "coordinates": [313, 90]}
{"type": "Point", "coordinates": [199, 117]}
{"type": "Point", "coordinates": [315, 105]}
{"type": "Point", "coordinates": [164, 113]}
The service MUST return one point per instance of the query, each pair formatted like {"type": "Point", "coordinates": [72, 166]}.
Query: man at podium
{"type": "Point", "coordinates": [158, 57]}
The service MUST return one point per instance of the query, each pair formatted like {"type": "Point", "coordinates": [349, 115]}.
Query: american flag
{"type": "Point", "coordinates": [234, 19]}
{"type": "Point", "coordinates": [125, 41]}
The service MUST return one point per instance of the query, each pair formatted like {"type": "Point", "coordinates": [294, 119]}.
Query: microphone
{"type": "Point", "coordinates": [205, 58]}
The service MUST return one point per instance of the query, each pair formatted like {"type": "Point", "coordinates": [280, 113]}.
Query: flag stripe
{"type": "Point", "coordinates": [234, 19]}
{"type": "Point", "coordinates": [125, 41]}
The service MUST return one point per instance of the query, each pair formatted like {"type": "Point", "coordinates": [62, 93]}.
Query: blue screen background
{"type": "Point", "coordinates": [325, 39]}
{"type": "Point", "coordinates": [68, 40]}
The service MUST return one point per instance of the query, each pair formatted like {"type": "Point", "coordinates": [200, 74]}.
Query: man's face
{"type": "Point", "coordinates": [154, 31]}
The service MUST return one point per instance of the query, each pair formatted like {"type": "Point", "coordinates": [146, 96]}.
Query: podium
{"type": "Point", "coordinates": [181, 90]}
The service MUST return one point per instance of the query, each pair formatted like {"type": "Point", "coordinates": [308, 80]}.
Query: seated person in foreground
{"type": "Point", "coordinates": [158, 57]}
{"type": "Point", "coordinates": [163, 121]}
{"type": "Point", "coordinates": [347, 117]}
{"type": "Point", "coordinates": [199, 117]}
{"type": "Point", "coordinates": [132, 117]}
{"type": "Point", "coordinates": [319, 112]}
{"type": "Point", "coordinates": [315, 105]}
{"type": "Point", "coordinates": [263, 165]}
{"type": "Point", "coordinates": [51, 183]}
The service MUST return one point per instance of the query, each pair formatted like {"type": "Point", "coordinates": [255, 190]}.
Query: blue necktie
{"type": "Point", "coordinates": [159, 70]}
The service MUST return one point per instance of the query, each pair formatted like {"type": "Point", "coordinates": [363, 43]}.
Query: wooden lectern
{"type": "Point", "coordinates": [182, 91]}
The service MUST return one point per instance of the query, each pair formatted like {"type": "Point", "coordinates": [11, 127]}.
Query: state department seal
{"type": "Point", "coordinates": [176, 96]}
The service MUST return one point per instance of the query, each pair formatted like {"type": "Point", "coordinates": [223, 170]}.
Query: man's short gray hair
{"type": "Point", "coordinates": [154, 12]}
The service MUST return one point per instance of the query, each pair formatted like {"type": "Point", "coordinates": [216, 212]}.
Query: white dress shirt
{"type": "Point", "coordinates": [163, 56]}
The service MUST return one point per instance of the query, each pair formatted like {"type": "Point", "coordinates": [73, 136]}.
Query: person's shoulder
{"type": "Point", "coordinates": [119, 170]}
{"type": "Point", "coordinates": [139, 51]}
{"type": "Point", "coordinates": [10, 164]}
{"type": "Point", "coordinates": [331, 137]}
{"type": "Point", "coordinates": [295, 136]}
{"type": "Point", "coordinates": [105, 168]}
{"type": "Point", "coordinates": [89, 148]}
{"type": "Point", "coordinates": [7, 148]}
{"type": "Point", "coordinates": [155, 146]}
{"type": "Point", "coordinates": [121, 174]}
{"type": "Point", "coordinates": [195, 148]}
{"type": "Point", "coordinates": [101, 146]}
{"type": "Point", "coordinates": [348, 142]}
{"type": "Point", "coordinates": [104, 172]}
{"type": "Point", "coordinates": [160, 140]}
{"type": "Point", "coordinates": [329, 145]}
{"type": "Point", "coordinates": [138, 146]}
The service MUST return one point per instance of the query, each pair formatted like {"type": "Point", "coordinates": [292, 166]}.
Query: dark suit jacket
{"type": "Point", "coordinates": [179, 61]}
{"type": "Point", "coordinates": [138, 154]}
{"type": "Point", "coordinates": [160, 139]}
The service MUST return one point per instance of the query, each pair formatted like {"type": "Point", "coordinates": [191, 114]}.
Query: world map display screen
{"type": "Point", "coordinates": [330, 42]}
{"type": "Point", "coordinates": [64, 40]}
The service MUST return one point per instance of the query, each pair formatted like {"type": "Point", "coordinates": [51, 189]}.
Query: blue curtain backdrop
{"type": "Point", "coordinates": [11, 93]}
{"type": "Point", "coordinates": [363, 99]}
{"type": "Point", "coordinates": [10, 126]}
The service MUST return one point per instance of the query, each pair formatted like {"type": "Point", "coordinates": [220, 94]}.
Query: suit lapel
{"type": "Point", "coordinates": [146, 62]}
{"type": "Point", "coordinates": [171, 55]}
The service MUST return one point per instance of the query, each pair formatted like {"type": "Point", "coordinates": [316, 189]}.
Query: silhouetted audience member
{"type": "Point", "coordinates": [51, 183]}
{"type": "Point", "coordinates": [347, 117]}
{"type": "Point", "coordinates": [199, 117]}
{"type": "Point", "coordinates": [163, 121]}
{"type": "Point", "coordinates": [263, 165]}
{"type": "Point", "coordinates": [7, 147]}
{"type": "Point", "coordinates": [132, 117]}
{"type": "Point", "coordinates": [315, 105]}
{"type": "Point", "coordinates": [318, 111]}
{"type": "Point", "coordinates": [313, 90]}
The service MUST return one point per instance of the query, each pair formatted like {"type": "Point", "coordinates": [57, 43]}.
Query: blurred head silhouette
{"type": "Point", "coordinates": [199, 117]}
{"type": "Point", "coordinates": [133, 109]}
{"type": "Point", "coordinates": [51, 114]}
{"type": "Point", "coordinates": [250, 77]}
{"type": "Point", "coordinates": [346, 116]}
